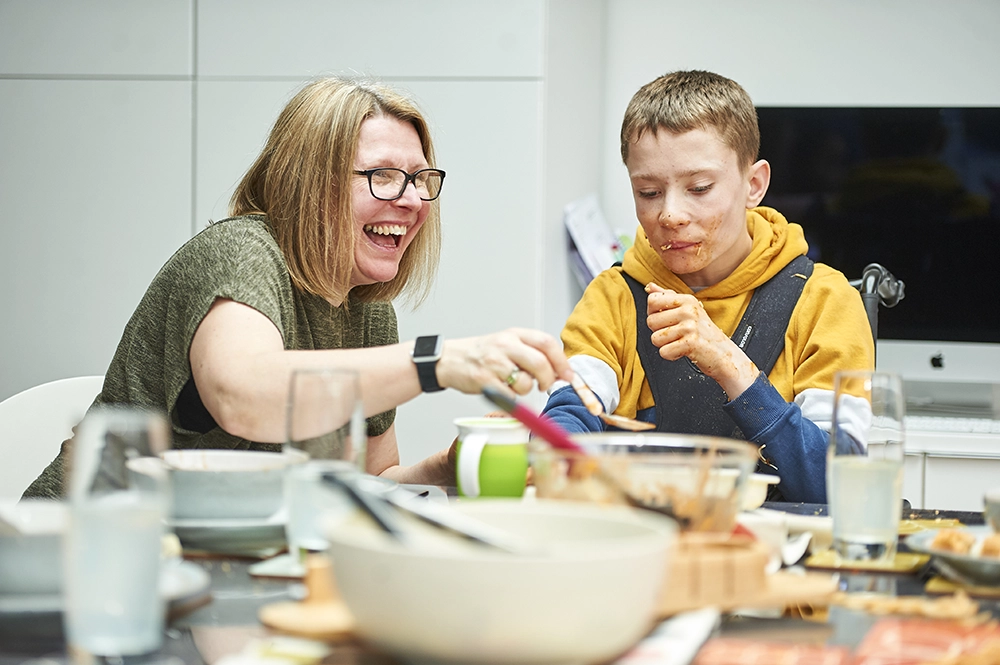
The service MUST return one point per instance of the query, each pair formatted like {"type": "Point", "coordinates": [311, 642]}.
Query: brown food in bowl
{"type": "Point", "coordinates": [696, 480]}
{"type": "Point", "coordinates": [991, 546]}
{"type": "Point", "coordinates": [953, 540]}
{"type": "Point", "coordinates": [695, 512]}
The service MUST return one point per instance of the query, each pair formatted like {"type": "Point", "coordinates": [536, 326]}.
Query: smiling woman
{"type": "Point", "coordinates": [337, 217]}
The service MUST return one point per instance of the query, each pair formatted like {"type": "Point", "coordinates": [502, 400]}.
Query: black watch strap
{"type": "Point", "coordinates": [426, 353]}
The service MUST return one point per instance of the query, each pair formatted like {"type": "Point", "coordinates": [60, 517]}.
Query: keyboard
{"type": "Point", "coordinates": [952, 424]}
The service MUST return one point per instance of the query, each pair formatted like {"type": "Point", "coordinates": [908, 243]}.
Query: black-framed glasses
{"type": "Point", "coordinates": [388, 184]}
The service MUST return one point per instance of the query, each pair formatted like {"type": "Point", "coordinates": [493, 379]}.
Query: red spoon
{"type": "Point", "coordinates": [538, 424]}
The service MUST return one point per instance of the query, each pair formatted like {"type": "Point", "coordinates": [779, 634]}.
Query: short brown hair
{"type": "Point", "coordinates": [681, 101]}
{"type": "Point", "coordinates": [300, 181]}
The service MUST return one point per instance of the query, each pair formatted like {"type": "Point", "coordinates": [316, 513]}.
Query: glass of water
{"type": "Point", "coordinates": [326, 428]}
{"type": "Point", "coordinates": [865, 464]}
{"type": "Point", "coordinates": [118, 495]}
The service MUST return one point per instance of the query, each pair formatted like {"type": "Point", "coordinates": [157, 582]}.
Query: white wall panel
{"type": "Point", "coordinates": [96, 37]}
{"type": "Point", "coordinates": [233, 121]}
{"type": "Point", "coordinates": [95, 181]}
{"type": "Point", "coordinates": [488, 278]}
{"type": "Point", "coordinates": [389, 38]}
{"type": "Point", "coordinates": [572, 128]}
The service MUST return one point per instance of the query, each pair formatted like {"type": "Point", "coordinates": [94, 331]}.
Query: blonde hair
{"type": "Point", "coordinates": [301, 180]}
{"type": "Point", "coordinates": [681, 101]}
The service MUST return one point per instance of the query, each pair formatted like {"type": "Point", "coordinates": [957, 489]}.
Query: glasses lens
{"type": "Point", "coordinates": [428, 183]}
{"type": "Point", "coordinates": [387, 184]}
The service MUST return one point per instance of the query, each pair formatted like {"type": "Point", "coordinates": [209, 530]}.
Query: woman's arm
{"type": "Point", "coordinates": [242, 370]}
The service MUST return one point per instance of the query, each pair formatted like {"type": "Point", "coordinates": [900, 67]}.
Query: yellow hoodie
{"type": "Point", "coordinates": [828, 330]}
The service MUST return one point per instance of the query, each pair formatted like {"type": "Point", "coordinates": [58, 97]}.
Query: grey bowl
{"type": "Point", "coordinates": [962, 568]}
{"type": "Point", "coordinates": [227, 484]}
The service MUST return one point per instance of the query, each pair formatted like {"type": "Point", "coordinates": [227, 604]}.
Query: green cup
{"type": "Point", "coordinates": [492, 457]}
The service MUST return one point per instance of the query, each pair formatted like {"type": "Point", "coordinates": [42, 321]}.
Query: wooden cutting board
{"type": "Point", "coordinates": [729, 574]}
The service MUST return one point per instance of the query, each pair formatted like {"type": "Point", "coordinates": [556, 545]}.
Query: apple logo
{"type": "Point", "coordinates": [937, 362]}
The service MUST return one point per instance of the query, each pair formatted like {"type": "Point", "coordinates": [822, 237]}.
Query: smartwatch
{"type": "Point", "coordinates": [426, 353]}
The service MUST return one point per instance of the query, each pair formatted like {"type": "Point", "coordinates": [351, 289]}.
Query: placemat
{"type": "Point", "coordinates": [904, 562]}
{"type": "Point", "coordinates": [938, 584]}
{"type": "Point", "coordinates": [909, 527]}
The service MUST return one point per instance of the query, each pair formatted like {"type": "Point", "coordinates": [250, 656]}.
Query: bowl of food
{"type": "Point", "coordinates": [968, 555]}
{"type": "Point", "coordinates": [586, 593]}
{"type": "Point", "coordinates": [226, 484]}
{"type": "Point", "coordinates": [701, 481]}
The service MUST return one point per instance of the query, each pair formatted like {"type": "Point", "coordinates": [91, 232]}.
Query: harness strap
{"type": "Point", "coordinates": [687, 400]}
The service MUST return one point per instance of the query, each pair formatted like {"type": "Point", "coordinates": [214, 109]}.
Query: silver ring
{"type": "Point", "coordinates": [513, 376]}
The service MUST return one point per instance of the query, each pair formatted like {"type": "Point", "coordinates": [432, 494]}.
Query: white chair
{"type": "Point", "coordinates": [35, 422]}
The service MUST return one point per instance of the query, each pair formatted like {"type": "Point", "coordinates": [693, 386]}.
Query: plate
{"type": "Point", "coordinates": [180, 583]}
{"type": "Point", "coordinates": [962, 568]}
{"type": "Point", "coordinates": [247, 537]}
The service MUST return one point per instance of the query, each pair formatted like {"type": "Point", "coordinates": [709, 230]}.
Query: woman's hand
{"type": "Point", "coordinates": [517, 358]}
{"type": "Point", "coordinates": [682, 328]}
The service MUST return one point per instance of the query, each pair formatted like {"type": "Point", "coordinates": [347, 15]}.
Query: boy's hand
{"type": "Point", "coordinates": [681, 327]}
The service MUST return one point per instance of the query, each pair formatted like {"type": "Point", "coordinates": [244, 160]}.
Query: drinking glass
{"type": "Point", "coordinates": [118, 495]}
{"type": "Point", "coordinates": [865, 464]}
{"type": "Point", "coordinates": [326, 428]}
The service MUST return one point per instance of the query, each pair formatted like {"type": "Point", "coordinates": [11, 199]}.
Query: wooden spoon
{"type": "Point", "coordinates": [593, 405]}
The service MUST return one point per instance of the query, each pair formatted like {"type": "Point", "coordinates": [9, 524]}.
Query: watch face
{"type": "Point", "coordinates": [426, 346]}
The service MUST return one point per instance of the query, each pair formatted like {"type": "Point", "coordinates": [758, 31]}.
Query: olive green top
{"type": "Point", "coordinates": [236, 259]}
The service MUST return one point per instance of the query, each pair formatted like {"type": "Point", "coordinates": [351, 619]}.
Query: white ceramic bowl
{"type": "Point", "coordinates": [31, 560]}
{"type": "Point", "coordinates": [755, 492]}
{"type": "Point", "coordinates": [590, 596]}
{"type": "Point", "coordinates": [227, 484]}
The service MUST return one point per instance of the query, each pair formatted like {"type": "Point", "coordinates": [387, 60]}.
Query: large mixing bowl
{"type": "Point", "coordinates": [590, 593]}
{"type": "Point", "coordinates": [698, 480]}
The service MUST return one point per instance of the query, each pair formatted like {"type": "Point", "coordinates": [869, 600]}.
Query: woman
{"type": "Point", "coordinates": [336, 217]}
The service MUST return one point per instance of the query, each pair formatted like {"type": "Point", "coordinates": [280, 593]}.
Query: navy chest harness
{"type": "Point", "coordinates": [688, 402]}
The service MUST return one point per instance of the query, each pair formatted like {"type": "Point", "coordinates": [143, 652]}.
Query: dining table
{"type": "Point", "coordinates": [219, 625]}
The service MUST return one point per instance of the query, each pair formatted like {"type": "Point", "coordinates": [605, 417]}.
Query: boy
{"type": "Point", "coordinates": [667, 346]}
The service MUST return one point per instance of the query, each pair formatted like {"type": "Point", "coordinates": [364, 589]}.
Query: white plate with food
{"type": "Point", "coordinates": [968, 555]}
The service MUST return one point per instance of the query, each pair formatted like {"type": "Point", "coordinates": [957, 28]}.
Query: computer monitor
{"type": "Point", "coordinates": [917, 190]}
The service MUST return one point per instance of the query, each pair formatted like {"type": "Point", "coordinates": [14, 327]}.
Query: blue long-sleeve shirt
{"type": "Point", "coordinates": [793, 443]}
